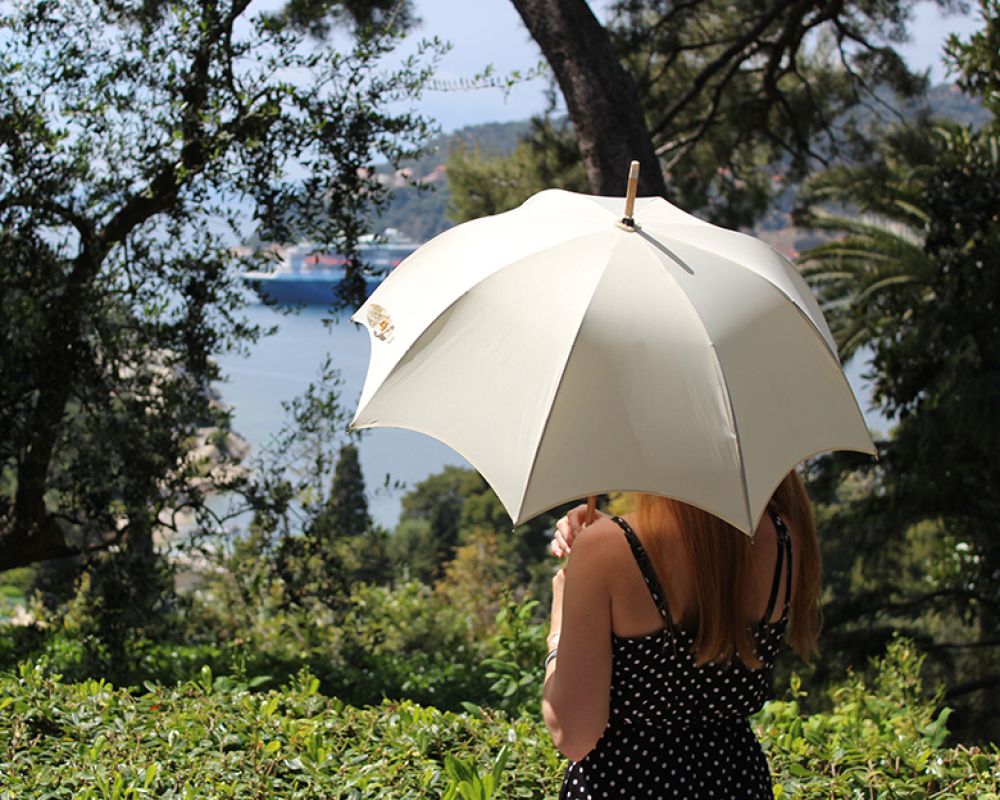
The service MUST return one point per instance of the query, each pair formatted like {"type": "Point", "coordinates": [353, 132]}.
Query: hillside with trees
{"type": "Point", "coordinates": [461, 172]}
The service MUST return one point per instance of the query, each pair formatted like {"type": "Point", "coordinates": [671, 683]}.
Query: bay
{"type": "Point", "coordinates": [281, 366]}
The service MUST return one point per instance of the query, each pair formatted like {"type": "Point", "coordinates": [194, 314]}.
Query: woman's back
{"type": "Point", "coordinates": [676, 728]}
{"type": "Point", "coordinates": [633, 613]}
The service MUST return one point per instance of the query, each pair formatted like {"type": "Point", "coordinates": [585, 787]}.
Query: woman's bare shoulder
{"type": "Point", "coordinates": [602, 542]}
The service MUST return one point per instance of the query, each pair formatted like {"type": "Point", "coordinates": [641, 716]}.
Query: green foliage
{"type": "Point", "coordinates": [466, 781]}
{"type": "Point", "coordinates": [346, 511]}
{"type": "Point", "coordinates": [433, 518]}
{"type": "Point", "coordinates": [518, 654]}
{"type": "Point", "coordinates": [478, 579]}
{"type": "Point", "coordinates": [878, 264]}
{"type": "Point", "coordinates": [310, 539]}
{"type": "Point", "coordinates": [213, 737]}
{"type": "Point", "coordinates": [729, 89]}
{"type": "Point", "coordinates": [911, 542]}
{"type": "Point", "coordinates": [319, 16]}
{"type": "Point", "coordinates": [483, 183]}
{"type": "Point", "coordinates": [977, 60]}
{"type": "Point", "coordinates": [337, 546]}
{"type": "Point", "coordinates": [738, 100]}
{"type": "Point", "coordinates": [455, 507]}
{"type": "Point", "coordinates": [440, 499]}
{"type": "Point", "coordinates": [879, 740]}
{"type": "Point", "coordinates": [400, 642]}
{"type": "Point", "coordinates": [414, 551]}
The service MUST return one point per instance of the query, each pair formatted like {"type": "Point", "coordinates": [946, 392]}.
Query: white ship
{"type": "Point", "coordinates": [309, 275]}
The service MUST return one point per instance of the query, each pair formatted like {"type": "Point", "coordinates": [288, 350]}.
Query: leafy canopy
{"type": "Point", "coordinates": [914, 282]}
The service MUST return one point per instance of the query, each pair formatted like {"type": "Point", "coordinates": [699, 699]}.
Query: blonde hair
{"type": "Point", "coordinates": [723, 569]}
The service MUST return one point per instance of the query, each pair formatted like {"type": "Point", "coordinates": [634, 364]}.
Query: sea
{"type": "Point", "coordinates": [280, 367]}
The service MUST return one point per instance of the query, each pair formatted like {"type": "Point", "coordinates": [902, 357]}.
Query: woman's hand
{"type": "Point", "coordinates": [567, 528]}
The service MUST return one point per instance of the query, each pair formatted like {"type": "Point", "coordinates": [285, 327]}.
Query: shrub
{"type": "Point", "coordinates": [213, 738]}
{"type": "Point", "coordinates": [883, 740]}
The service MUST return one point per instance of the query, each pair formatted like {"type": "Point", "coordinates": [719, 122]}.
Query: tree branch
{"type": "Point", "coordinates": [868, 608]}
{"type": "Point", "coordinates": [710, 116]}
{"type": "Point", "coordinates": [718, 64]}
{"type": "Point", "coordinates": [161, 193]}
{"type": "Point", "coordinates": [82, 225]}
{"type": "Point", "coordinates": [968, 687]}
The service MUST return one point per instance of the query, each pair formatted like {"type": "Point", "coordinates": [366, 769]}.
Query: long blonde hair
{"type": "Point", "coordinates": [721, 558]}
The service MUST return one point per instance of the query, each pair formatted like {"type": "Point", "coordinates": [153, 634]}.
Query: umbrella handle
{"type": "Point", "coordinates": [591, 509]}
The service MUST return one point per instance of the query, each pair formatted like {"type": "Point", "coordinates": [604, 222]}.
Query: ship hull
{"type": "Point", "coordinates": [291, 289]}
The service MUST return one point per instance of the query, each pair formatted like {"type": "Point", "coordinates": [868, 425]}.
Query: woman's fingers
{"type": "Point", "coordinates": [567, 527]}
{"type": "Point", "coordinates": [559, 545]}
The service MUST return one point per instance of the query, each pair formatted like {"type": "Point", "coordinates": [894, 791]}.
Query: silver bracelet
{"type": "Point", "coordinates": [551, 657]}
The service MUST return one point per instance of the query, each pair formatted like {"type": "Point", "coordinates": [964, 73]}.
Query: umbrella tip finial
{"type": "Point", "coordinates": [633, 186]}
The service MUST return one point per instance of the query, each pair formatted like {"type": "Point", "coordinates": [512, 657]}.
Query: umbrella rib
{"type": "Point", "coordinates": [653, 234]}
{"type": "Point", "coordinates": [736, 432]}
{"type": "Point", "coordinates": [802, 313]}
{"type": "Point", "coordinates": [772, 287]}
{"type": "Point", "coordinates": [357, 316]}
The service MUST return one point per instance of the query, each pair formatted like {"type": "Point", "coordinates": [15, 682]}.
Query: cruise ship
{"type": "Point", "coordinates": [309, 275]}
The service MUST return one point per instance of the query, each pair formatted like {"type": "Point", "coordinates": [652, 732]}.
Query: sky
{"type": "Point", "coordinates": [490, 32]}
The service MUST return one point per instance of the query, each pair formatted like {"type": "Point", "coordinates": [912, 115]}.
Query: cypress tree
{"type": "Point", "coordinates": [347, 508]}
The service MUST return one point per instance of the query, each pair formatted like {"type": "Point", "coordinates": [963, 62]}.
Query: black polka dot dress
{"type": "Point", "coordinates": [676, 730]}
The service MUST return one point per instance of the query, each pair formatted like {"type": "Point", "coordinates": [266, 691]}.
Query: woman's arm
{"type": "Point", "coordinates": [578, 682]}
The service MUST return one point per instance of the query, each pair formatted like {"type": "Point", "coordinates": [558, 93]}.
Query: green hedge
{"type": "Point", "coordinates": [883, 739]}
{"type": "Point", "coordinates": [217, 738]}
{"type": "Point", "coordinates": [214, 739]}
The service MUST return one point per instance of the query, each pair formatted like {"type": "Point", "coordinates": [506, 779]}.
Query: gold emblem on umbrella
{"type": "Point", "coordinates": [380, 323]}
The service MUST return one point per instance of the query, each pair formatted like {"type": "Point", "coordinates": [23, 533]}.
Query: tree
{"type": "Point", "coordinates": [437, 502]}
{"type": "Point", "coordinates": [135, 140]}
{"type": "Point", "coordinates": [310, 540]}
{"type": "Point", "coordinates": [878, 263]}
{"type": "Point", "coordinates": [347, 507]}
{"type": "Point", "coordinates": [482, 184]}
{"type": "Point", "coordinates": [455, 508]}
{"type": "Point", "coordinates": [918, 285]}
{"type": "Point", "coordinates": [713, 92]}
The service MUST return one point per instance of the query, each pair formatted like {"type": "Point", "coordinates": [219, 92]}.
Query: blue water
{"type": "Point", "coordinates": [281, 366]}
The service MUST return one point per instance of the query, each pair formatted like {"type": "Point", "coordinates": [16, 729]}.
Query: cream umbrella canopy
{"type": "Point", "coordinates": [565, 351]}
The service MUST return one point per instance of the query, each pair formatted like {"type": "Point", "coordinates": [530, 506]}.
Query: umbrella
{"type": "Point", "coordinates": [565, 351]}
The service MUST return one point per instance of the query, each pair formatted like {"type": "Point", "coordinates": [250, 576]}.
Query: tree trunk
{"type": "Point", "coordinates": [600, 95]}
{"type": "Point", "coordinates": [30, 533]}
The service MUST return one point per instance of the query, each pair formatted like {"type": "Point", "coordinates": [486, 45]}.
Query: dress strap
{"type": "Point", "coordinates": [648, 573]}
{"type": "Point", "coordinates": [784, 559]}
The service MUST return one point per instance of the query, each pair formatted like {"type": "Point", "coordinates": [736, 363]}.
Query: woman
{"type": "Point", "coordinates": [665, 626]}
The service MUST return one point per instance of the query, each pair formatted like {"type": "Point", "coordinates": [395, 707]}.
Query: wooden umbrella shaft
{"type": "Point", "coordinates": [633, 187]}
{"type": "Point", "coordinates": [591, 509]}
